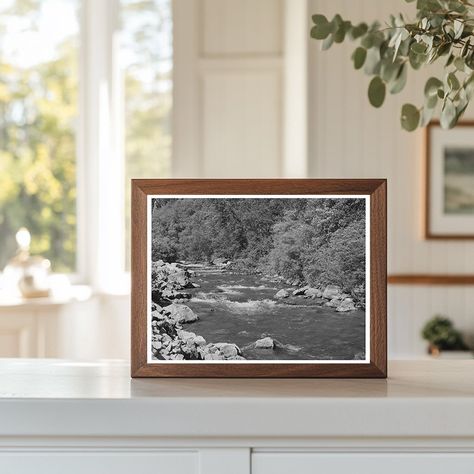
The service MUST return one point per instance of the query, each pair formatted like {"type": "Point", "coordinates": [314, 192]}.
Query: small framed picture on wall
{"type": "Point", "coordinates": [449, 187]}
{"type": "Point", "coordinates": [259, 278]}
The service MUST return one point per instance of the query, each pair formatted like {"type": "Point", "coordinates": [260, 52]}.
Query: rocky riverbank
{"type": "Point", "coordinates": [169, 341]}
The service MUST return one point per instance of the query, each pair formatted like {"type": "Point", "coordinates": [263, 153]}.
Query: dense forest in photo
{"type": "Point", "coordinates": [317, 242]}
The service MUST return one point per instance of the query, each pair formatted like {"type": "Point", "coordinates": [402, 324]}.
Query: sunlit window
{"type": "Point", "coordinates": [146, 54]}
{"type": "Point", "coordinates": [38, 118]}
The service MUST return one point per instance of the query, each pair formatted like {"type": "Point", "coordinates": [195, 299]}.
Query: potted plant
{"type": "Point", "coordinates": [442, 336]}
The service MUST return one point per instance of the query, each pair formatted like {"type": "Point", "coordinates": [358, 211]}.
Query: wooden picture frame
{"type": "Point", "coordinates": [437, 226]}
{"type": "Point", "coordinates": [372, 190]}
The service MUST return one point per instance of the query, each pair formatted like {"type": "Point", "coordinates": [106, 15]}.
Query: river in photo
{"type": "Point", "coordinates": [240, 308]}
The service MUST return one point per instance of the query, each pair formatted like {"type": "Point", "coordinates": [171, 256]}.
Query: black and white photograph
{"type": "Point", "coordinates": [258, 278]}
{"type": "Point", "coordinates": [459, 180]}
{"type": "Point", "coordinates": [449, 182]}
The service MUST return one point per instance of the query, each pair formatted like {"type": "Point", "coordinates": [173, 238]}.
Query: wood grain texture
{"type": "Point", "coordinates": [375, 188]}
{"type": "Point", "coordinates": [427, 279]}
{"type": "Point", "coordinates": [429, 234]}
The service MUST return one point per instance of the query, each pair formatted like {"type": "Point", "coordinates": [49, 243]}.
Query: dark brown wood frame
{"type": "Point", "coordinates": [428, 234]}
{"type": "Point", "coordinates": [429, 280]}
{"type": "Point", "coordinates": [375, 188]}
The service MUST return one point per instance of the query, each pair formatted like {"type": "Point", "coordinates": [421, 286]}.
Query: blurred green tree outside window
{"type": "Point", "coordinates": [38, 116]}
{"type": "Point", "coordinates": [39, 86]}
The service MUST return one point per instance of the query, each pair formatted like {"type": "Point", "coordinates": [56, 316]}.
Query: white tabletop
{"type": "Point", "coordinates": [423, 398]}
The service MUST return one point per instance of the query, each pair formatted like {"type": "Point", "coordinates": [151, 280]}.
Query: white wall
{"type": "Point", "coordinates": [228, 88]}
{"type": "Point", "coordinates": [348, 138]}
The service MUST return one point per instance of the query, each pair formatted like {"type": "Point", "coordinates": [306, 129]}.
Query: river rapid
{"type": "Point", "coordinates": [240, 308]}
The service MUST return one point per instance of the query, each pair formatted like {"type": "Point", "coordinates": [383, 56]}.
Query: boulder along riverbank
{"type": "Point", "coordinates": [210, 312]}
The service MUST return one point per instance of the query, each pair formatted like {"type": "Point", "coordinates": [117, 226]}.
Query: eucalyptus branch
{"type": "Point", "coordinates": [443, 29]}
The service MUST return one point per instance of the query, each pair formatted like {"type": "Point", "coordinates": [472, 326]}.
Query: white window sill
{"type": "Point", "coordinates": [71, 294]}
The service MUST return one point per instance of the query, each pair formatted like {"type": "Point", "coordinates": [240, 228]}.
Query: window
{"type": "Point", "coordinates": [146, 61]}
{"type": "Point", "coordinates": [79, 117]}
{"type": "Point", "coordinates": [38, 117]}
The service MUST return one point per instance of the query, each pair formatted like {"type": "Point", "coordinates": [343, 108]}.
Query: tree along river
{"type": "Point", "coordinates": [239, 308]}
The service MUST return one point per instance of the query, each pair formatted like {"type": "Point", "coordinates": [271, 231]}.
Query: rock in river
{"type": "Point", "coordinates": [313, 293]}
{"type": "Point", "coordinates": [331, 292]}
{"type": "Point", "coordinates": [300, 291]}
{"type": "Point", "coordinates": [229, 351]}
{"type": "Point", "coordinates": [199, 341]}
{"type": "Point", "coordinates": [282, 294]}
{"type": "Point", "coordinates": [265, 343]}
{"type": "Point", "coordinates": [346, 305]}
{"type": "Point", "coordinates": [180, 313]}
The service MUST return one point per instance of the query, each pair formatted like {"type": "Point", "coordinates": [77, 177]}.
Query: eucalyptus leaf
{"type": "Point", "coordinates": [469, 86]}
{"type": "Point", "coordinates": [448, 114]}
{"type": "Point", "coordinates": [358, 31]}
{"type": "Point", "coordinates": [452, 81]}
{"type": "Point", "coordinates": [450, 60]}
{"type": "Point", "coordinates": [432, 86]}
{"type": "Point", "coordinates": [400, 82]}
{"type": "Point", "coordinates": [377, 91]}
{"type": "Point", "coordinates": [465, 48]}
{"type": "Point", "coordinates": [426, 116]}
{"type": "Point", "coordinates": [321, 31]}
{"type": "Point", "coordinates": [319, 19]}
{"type": "Point", "coordinates": [410, 117]}
{"type": "Point", "coordinates": [359, 56]}
{"type": "Point", "coordinates": [372, 62]}
{"type": "Point", "coordinates": [418, 48]}
{"type": "Point", "coordinates": [389, 69]}
{"type": "Point", "coordinates": [386, 51]}
{"type": "Point", "coordinates": [431, 102]}
{"type": "Point", "coordinates": [327, 43]}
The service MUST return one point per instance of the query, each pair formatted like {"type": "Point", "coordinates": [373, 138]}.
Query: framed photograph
{"type": "Point", "coordinates": [449, 210]}
{"type": "Point", "coordinates": [259, 278]}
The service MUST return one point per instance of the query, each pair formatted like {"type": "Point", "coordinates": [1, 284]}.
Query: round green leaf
{"type": "Point", "coordinates": [321, 31]}
{"type": "Point", "coordinates": [417, 60]}
{"type": "Point", "coordinates": [340, 33]}
{"type": "Point", "coordinates": [320, 19]}
{"type": "Point", "coordinates": [450, 60]}
{"type": "Point", "coordinates": [401, 80]}
{"type": "Point", "coordinates": [359, 56]}
{"type": "Point", "coordinates": [358, 31]}
{"type": "Point", "coordinates": [410, 117]}
{"type": "Point", "coordinates": [373, 62]}
{"type": "Point", "coordinates": [432, 86]}
{"type": "Point", "coordinates": [448, 114]}
{"type": "Point", "coordinates": [453, 81]}
{"type": "Point", "coordinates": [418, 48]}
{"type": "Point", "coordinates": [327, 43]}
{"type": "Point", "coordinates": [389, 69]}
{"type": "Point", "coordinates": [431, 101]}
{"type": "Point", "coordinates": [465, 48]}
{"type": "Point", "coordinates": [377, 91]}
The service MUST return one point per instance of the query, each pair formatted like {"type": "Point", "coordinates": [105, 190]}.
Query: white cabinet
{"type": "Point", "coordinates": [342, 463]}
{"type": "Point", "coordinates": [91, 418]}
{"type": "Point", "coordinates": [99, 463]}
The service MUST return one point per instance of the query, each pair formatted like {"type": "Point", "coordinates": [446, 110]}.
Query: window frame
{"type": "Point", "coordinates": [100, 157]}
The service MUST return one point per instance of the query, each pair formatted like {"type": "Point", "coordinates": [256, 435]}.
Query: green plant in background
{"type": "Point", "coordinates": [443, 31]}
{"type": "Point", "coordinates": [442, 335]}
